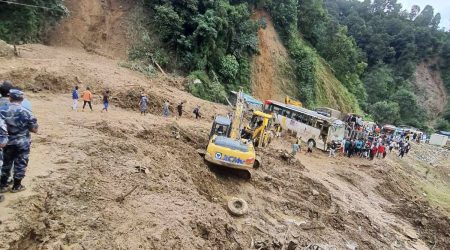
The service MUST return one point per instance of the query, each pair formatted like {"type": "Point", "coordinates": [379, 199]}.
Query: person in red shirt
{"type": "Point", "coordinates": [373, 151]}
{"type": "Point", "coordinates": [381, 151]}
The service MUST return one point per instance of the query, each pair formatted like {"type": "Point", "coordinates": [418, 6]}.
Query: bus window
{"type": "Point", "coordinates": [276, 110]}
{"type": "Point", "coordinates": [312, 122]}
{"type": "Point", "coordinates": [297, 117]}
{"type": "Point", "coordinates": [305, 119]}
{"type": "Point", "coordinates": [287, 113]}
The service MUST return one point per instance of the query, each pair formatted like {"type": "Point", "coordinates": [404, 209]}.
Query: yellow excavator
{"type": "Point", "coordinates": [259, 129]}
{"type": "Point", "coordinates": [289, 101]}
{"type": "Point", "coordinates": [228, 147]}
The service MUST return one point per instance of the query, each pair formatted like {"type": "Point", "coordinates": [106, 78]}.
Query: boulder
{"type": "Point", "coordinates": [6, 50]}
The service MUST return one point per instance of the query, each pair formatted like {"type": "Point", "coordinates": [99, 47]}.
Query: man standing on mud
{"type": "Point", "coordinates": [87, 98]}
{"type": "Point", "coordinates": [19, 122]}
{"type": "Point", "coordinates": [180, 109]}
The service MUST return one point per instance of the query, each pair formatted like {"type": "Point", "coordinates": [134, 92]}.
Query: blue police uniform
{"type": "Point", "coordinates": [3, 137]}
{"type": "Point", "coordinates": [19, 121]}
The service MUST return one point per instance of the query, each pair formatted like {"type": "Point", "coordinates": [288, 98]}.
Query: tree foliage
{"type": "Point", "coordinates": [394, 42]}
{"type": "Point", "coordinates": [309, 19]}
{"type": "Point", "coordinates": [214, 37]}
{"type": "Point", "coordinates": [386, 112]}
{"type": "Point", "coordinates": [29, 24]}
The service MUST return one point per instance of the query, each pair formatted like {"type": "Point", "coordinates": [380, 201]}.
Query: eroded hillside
{"type": "Point", "coordinates": [430, 89]}
{"type": "Point", "coordinates": [96, 26]}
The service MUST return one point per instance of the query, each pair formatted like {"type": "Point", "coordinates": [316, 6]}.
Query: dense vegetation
{"type": "Point", "coordinates": [373, 49]}
{"type": "Point", "coordinates": [394, 42]}
{"type": "Point", "coordinates": [29, 24]}
{"type": "Point", "coordinates": [213, 39]}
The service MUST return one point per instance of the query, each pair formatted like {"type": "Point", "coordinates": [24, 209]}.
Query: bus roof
{"type": "Point", "coordinates": [249, 99]}
{"type": "Point", "coordinates": [304, 111]}
{"type": "Point", "coordinates": [329, 109]}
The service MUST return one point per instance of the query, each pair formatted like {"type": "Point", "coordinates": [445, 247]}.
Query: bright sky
{"type": "Point", "coordinates": [441, 6]}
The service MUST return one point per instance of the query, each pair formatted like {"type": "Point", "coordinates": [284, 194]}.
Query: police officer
{"type": "Point", "coordinates": [19, 122]}
{"type": "Point", "coordinates": [3, 142]}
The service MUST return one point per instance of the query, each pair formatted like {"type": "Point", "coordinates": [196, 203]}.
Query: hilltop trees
{"type": "Point", "coordinates": [29, 24]}
{"type": "Point", "coordinates": [394, 42]}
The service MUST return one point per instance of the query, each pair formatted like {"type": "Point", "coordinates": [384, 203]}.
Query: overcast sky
{"type": "Point", "coordinates": [441, 6]}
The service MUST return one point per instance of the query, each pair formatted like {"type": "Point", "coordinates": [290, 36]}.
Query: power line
{"type": "Point", "coordinates": [29, 5]}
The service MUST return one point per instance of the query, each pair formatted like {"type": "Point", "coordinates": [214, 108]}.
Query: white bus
{"type": "Point", "coordinates": [311, 126]}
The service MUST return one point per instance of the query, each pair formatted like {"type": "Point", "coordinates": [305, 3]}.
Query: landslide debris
{"type": "Point", "coordinates": [6, 50]}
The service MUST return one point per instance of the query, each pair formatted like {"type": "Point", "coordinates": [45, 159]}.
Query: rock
{"type": "Point", "coordinates": [6, 50]}
{"type": "Point", "coordinates": [268, 178]}
{"type": "Point", "coordinates": [410, 234]}
{"type": "Point", "coordinates": [76, 246]}
{"type": "Point", "coordinates": [292, 245]}
{"type": "Point", "coordinates": [352, 246]}
{"type": "Point", "coordinates": [315, 192]}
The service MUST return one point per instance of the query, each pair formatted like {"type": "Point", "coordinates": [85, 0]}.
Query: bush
{"type": "Point", "coordinates": [229, 68]}
{"type": "Point", "coordinates": [442, 125]}
{"type": "Point", "coordinates": [200, 85]}
{"type": "Point", "coordinates": [146, 69]}
{"type": "Point", "coordinates": [304, 70]}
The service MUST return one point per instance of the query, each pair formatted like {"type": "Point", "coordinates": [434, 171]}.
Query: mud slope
{"type": "Point", "coordinates": [97, 26]}
{"type": "Point", "coordinates": [430, 89]}
{"type": "Point", "coordinates": [272, 76]}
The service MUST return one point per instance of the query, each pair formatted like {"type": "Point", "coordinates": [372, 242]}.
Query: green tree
{"type": "Point", "coordinates": [415, 10]}
{"type": "Point", "coordinates": [385, 112]}
{"type": "Point", "coordinates": [27, 24]}
{"type": "Point", "coordinates": [425, 17]}
{"type": "Point", "coordinates": [410, 112]}
{"type": "Point", "coordinates": [229, 68]}
{"type": "Point", "coordinates": [436, 21]}
{"type": "Point", "coordinates": [442, 125]}
{"type": "Point", "coordinates": [378, 81]}
{"type": "Point", "coordinates": [168, 23]}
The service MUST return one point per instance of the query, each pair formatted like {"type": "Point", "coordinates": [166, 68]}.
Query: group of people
{"type": "Point", "coordinates": [16, 123]}
{"type": "Point", "coordinates": [144, 102]}
{"type": "Point", "coordinates": [370, 148]}
{"type": "Point", "coordinates": [87, 99]}
{"type": "Point", "coordinates": [296, 147]}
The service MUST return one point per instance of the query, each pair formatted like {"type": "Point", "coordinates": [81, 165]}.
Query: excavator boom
{"type": "Point", "coordinates": [236, 125]}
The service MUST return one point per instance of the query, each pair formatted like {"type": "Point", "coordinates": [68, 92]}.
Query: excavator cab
{"type": "Point", "coordinates": [258, 129]}
{"type": "Point", "coordinates": [221, 127]}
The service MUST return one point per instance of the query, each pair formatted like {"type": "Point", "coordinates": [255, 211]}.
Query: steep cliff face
{"type": "Point", "coordinates": [430, 89]}
{"type": "Point", "coordinates": [96, 26]}
{"type": "Point", "coordinates": [272, 74]}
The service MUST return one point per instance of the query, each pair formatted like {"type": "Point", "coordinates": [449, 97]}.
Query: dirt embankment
{"type": "Point", "coordinates": [96, 26]}
{"type": "Point", "coordinates": [430, 89]}
{"type": "Point", "coordinates": [272, 75]}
